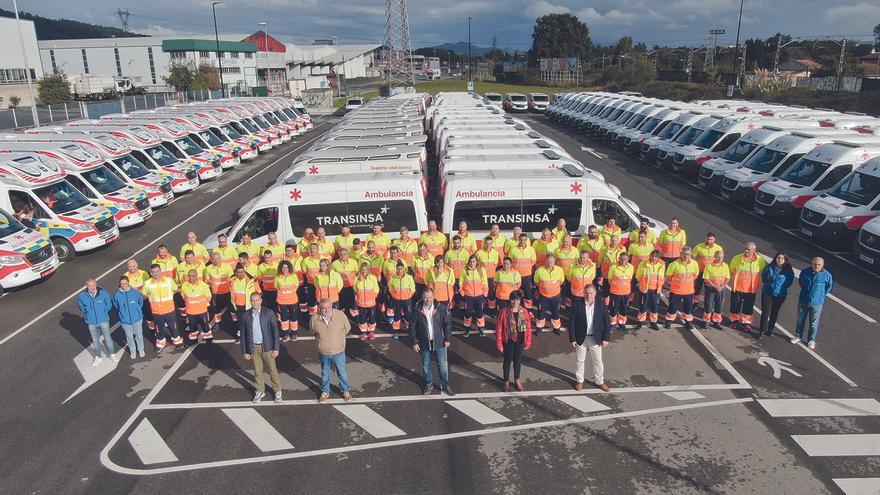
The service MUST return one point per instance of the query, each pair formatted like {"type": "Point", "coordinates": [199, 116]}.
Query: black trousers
{"type": "Point", "coordinates": [513, 354]}
{"type": "Point", "coordinates": [770, 306]}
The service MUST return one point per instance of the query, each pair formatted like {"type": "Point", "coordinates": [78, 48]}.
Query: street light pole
{"type": "Point", "coordinates": [27, 66]}
{"type": "Point", "coordinates": [736, 52]}
{"type": "Point", "coordinates": [217, 39]}
{"type": "Point", "coordinates": [469, 49]}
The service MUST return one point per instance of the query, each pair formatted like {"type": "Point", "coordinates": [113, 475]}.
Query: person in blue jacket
{"type": "Point", "coordinates": [776, 278]}
{"type": "Point", "coordinates": [816, 283]}
{"type": "Point", "coordinates": [94, 304]}
{"type": "Point", "coordinates": [129, 304]}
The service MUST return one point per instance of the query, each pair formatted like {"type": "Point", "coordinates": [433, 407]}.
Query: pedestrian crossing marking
{"type": "Point", "coordinates": [583, 403]}
{"type": "Point", "coordinates": [257, 429]}
{"type": "Point", "coordinates": [148, 444]}
{"type": "Point", "coordinates": [858, 486]}
{"type": "Point", "coordinates": [478, 411]}
{"type": "Point", "coordinates": [839, 445]}
{"type": "Point", "coordinates": [370, 420]}
{"type": "Point", "coordinates": [685, 395]}
{"type": "Point", "coordinates": [782, 408]}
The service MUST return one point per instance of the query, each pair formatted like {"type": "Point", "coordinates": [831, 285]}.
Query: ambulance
{"type": "Point", "coordinates": [25, 255]}
{"type": "Point", "coordinates": [868, 245]}
{"type": "Point", "coordinates": [491, 147]}
{"type": "Point", "coordinates": [813, 174]}
{"type": "Point", "coordinates": [678, 145]}
{"type": "Point", "coordinates": [354, 135]}
{"type": "Point", "coordinates": [640, 116]}
{"type": "Point", "coordinates": [650, 147]}
{"type": "Point", "coordinates": [600, 128]}
{"type": "Point", "coordinates": [273, 114]}
{"type": "Point", "coordinates": [574, 104]}
{"type": "Point", "coordinates": [611, 110]}
{"type": "Point", "coordinates": [583, 108]}
{"type": "Point", "coordinates": [91, 175]}
{"type": "Point", "coordinates": [394, 199]}
{"type": "Point", "coordinates": [408, 158]}
{"type": "Point", "coordinates": [256, 116]}
{"type": "Point", "coordinates": [205, 131]}
{"type": "Point", "coordinates": [157, 185]}
{"type": "Point", "coordinates": [519, 136]}
{"type": "Point", "coordinates": [837, 215]}
{"type": "Point", "coordinates": [501, 128]}
{"type": "Point", "coordinates": [366, 144]}
{"type": "Point", "coordinates": [246, 117]}
{"type": "Point", "coordinates": [34, 184]}
{"type": "Point", "coordinates": [231, 125]}
{"type": "Point", "coordinates": [535, 200]}
{"type": "Point", "coordinates": [548, 159]}
{"type": "Point", "coordinates": [631, 140]}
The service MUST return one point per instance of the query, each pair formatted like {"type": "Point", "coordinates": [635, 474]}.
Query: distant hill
{"type": "Point", "coordinates": [66, 29]}
{"type": "Point", "coordinates": [461, 48]}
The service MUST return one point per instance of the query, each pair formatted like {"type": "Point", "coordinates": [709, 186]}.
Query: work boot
{"type": "Point", "coordinates": [639, 326]}
{"type": "Point", "coordinates": [519, 386]}
{"type": "Point", "coordinates": [717, 325]}
{"type": "Point", "coordinates": [481, 332]}
{"type": "Point", "coordinates": [467, 332]}
{"type": "Point", "coordinates": [687, 325]}
{"type": "Point", "coordinates": [506, 387]}
{"type": "Point", "coordinates": [667, 324]}
{"type": "Point", "coordinates": [654, 326]}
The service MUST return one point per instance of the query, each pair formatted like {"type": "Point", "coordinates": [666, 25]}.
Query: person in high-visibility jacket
{"type": "Point", "coordinates": [344, 240]}
{"type": "Point", "coordinates": [434, 239]}
{"type": "Point", "coordinates": [307, 239]}
{"type": "Point", "coordinates": [266, 273]}
{"type": "Point", "coordinates": [489, 260]}
{"type": "Point", "coordinates": [159, 291]}
{"type": "Point", "coordinates": [560, 231]}
{"type": "Point", "coordinates": [704, 253]}
{"type": "Point", "coordinates": [407, 246]}
{"type": "Point", "coordinates": [347, 269]}
{"type": "Point", "coordinates": [197, 295]}
{"type": "Point", "coordinates": [506, 281]}
{"type": "Point", "coordinates": [218, 276]}
{"type": "Point", "coordinates": [514, 240]}
{"type": "Point", "coordinates": [187, 265]}
{"type": "Point", "coordinates": [441, 279]}
{"type": "Point", "coordinates": [389, 268]}
{"type": "Point", "coordinates": [295, 259]}
{"type": "Point", "coordinates": [358, 248]}
{"type": "Point", "coordinates": [592, 243]}
{"type": "Point", "coordinates": [287, 283]}
{"type": "Point", "coordinates": [544, 246]}
{"type": "Point", "coordinates": [422, 262]}
{"type": "Point", "coordinates": [523, 256]}
{"type": "Point", "coordinates": [310, 265]}
{"type": "Point", "coordinates": [198, 249]}
{"type": "Point", "coordinates": [639, 250]}
{"type": "Point", "coordinates": [644, 227]}
{"type": "Point", "coordinates": [375, 260]}
{"type": "Point", "coordinates": [566, 256]}
{"type": "Point", "coordinates": [681, 274]}
{"type": "Point", "coordinates": [580, 275]}
{"type": "Point", "coordinates": [327, 285]}
{"type": "Point", "coordinates": [242, 287]}
{"type": "Point", "coordinates": [401, 288]}
{"type": "Point", "coordinates": [473, 287]}
{"type": "Point", "coordinates": [650, 277]}
{"type": "Point", "coordinates": [610, 229]}
{"type": "Point", "coordinates": [456, 258]}
{"type": "Point", "coordinates": [498, 239]}
{"type": "Point", "coordinates": [610, 255]}
{"type": "Point", "coordinates": [228, 253]}
{"type": "Point", "coordinates": [366, 294]}
{"type": "Point", "coordinates": [136, 279]}
{"type": "Point", "coordinates": [620, 278]}
{"type": "Point", "coordinates": [548, 280]}
{"type": "Point", "coordinates": [166, 261]}
{"type": "Point", "coordinates": [383, 242]}
{"type": "Point", "coordinates": [467, 241]}
{"type": "Point", "coordinates": [716, 275]}
{"type": "Point", "coordinates": [745, 280]}
{"type": "Point", "coordinates": [672, 241]}
{"type": "Point", "coordinates": [325, 247]}
{"type": "Point", "coordinates": [250, 248]}
{"type": "Point", "coordinates": [274, 246]}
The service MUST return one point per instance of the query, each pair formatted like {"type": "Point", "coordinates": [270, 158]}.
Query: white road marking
{"type": "Point", "coordinates": [91, 374]}
{"type": "Point", "coordinates": [147, 246]}
{"type": "Point", "coordinates": [478, 411]}
{"type": "Point", "coordinates": [816, 356]}
{"type": "Point", "coordinates": [685, 395]}
{"type": "Point", "coordinates": [583, 403]}
{"type": "Point", "coordinates": [263, 434]}
{"type": "Point", "coordinates": [855, 444]}
{"type": "Point", "coordinates": [370, 420]}
{"type": "Point", "coordinates": [718, 357]}
{"type": "Point", "coordinates": [413, 440]}
{"type": "Point", "coordinates": [858, 486]}
{"type": "Point", "coordinates": [149, 446]}
{"type": "Point", "coordinates": [593, 152]}
{"type": "Point", "coordinates": [788, 408]}
{"type": "Point", "coordinates": [776, 365]}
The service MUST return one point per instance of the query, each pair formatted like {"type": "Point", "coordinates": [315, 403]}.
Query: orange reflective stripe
{"type": "Point", "coordinates": [671, 242]}
{"type": "Point", "coordinates": [401, 288]}
{"type": "Point", "coordinates": [651, 275]}
{"type": "Point", "coordinates": [473, 283]}
{"type": "Point", "coordinates": [681, 277]}
{"type": "Point", "coordinates": [420, 269]}
{"type": "Point", "coordinates": [549, 282]}
{"type": "Point", "coordinates": [580, 276]}
{"type": "Point", "coordinates": [327, 285]}
{"type": "Point", "coordinates": [506, 283]}
{"type": "Point", "coordinates": [489, 260]}
{"type": "Point", "coordinates": [442, 283]}
{"type": "Point", "coordinates": [620, 279]}
{"type": "Point", "coordinates": [366, 290]}
{"type": "Point", "coordinates": [287, 286]}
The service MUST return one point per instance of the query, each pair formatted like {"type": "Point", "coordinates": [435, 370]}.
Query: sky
{"type": "Point", "coordinates": [432, 22]}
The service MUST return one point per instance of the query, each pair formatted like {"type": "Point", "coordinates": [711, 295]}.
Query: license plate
{"type": "Point", "coordinates": [110, 239]}
{"type": "Point", "coordinates": [46, 273]}
{"type": "Point", "coordinates": [725, 195]}
{"type": "Point", "coordinates": [760, 211]}
{"type": "Point", "coordinates": [806, 232]}
{"type": "Point", "coordinates": [866, 259]}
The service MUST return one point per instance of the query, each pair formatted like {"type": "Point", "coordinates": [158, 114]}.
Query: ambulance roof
{"type": "Point", "coordinates": [831, 152]}
{"type": "Point", "coordinates": [105, 140]}
{"type": "Point", "coordinates": [387, 153]}
{"type": "Point", "coordinates": [486, 177]}
{"type": "Point", "coordinates": [376, 177]}
{"type": "Point", "coordinates": [29, 169]}
{"type": "Point", "coordinates": [164, 123]}
{"type": "Point", "coordinates": [142, 134]}
{"type": "Point", "coordinates": [547, 155]}
{"type": "Point", "coordinates": [73, 153]}
{"type": "Point", "coordinates": [871, 167]}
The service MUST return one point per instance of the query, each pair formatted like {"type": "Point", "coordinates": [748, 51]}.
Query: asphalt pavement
{"type": "Point", "coordinates": [701, 411]}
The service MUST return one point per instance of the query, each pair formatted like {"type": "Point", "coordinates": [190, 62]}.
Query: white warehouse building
{"type": "Point", "coordinates": [13, 81]}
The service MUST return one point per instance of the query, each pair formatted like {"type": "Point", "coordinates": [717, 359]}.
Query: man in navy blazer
{"type": "Point", "coordinates": [588, 331]}
{"type": "Point", "coordinates": [260, 341]}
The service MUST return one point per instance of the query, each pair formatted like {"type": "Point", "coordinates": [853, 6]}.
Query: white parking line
{"type": "Point", "coordinates": [682, 396]}
{"type": "Point", "coordinates": [478, 411]}
{"type": "Point", "coordinates": [149, 445]}
{"type": "Point", "coordinates": [370, 420]}
{"type": "Point", "coordinates": [816, 356]}
{"type": "Point", "coordinates": [858, 486]}
{"type": "Point", "coordinates": [147, 246]}
{"type": "Point", "coordinates": [263, 434]}
{"type": "Point", "coordinates": [789, 408]}
{"type": "Point", "coordinates": [839, 445]}
{"type": "Point", "coordinates": [718, 357]}
{"type": "Point", "coordinates": [583, 403]}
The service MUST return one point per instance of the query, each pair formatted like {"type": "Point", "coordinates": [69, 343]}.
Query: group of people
{"type": "Point", "coordinates": [415, 285]}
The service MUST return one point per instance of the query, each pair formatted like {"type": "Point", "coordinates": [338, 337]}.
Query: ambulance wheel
{"type": "Point", "coordinates": [63, 249]}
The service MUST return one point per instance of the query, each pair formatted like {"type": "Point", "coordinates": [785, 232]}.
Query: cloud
{"type": "Point", "coordinates": [860, 16]}
{"type": "Point", "coordinates": [542, 8]}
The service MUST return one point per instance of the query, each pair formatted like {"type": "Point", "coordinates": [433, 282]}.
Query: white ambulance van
{"type": "Point", "coordinates": [498, 129]}
{"type": "Point", "coordinates": [547, 160]}
{"type": "Point", "coordinates": [650, 147]}
{"type": "Point", "coordinates": [394, 199]}
{"type": "Point", "coordinates": [535, 200]}
{"type": "Point", "coordinates": [491, 147]}
{"type": "Point", "coordinates": [404, 158]}
{"type": "Point", "coordinates": [837, 216]}
{"type": "Point", "coordinates": [368, 144]}
{"type": "Point", "coordinates": [234, 121]}
{"type": "Point", "coordinates": [203, 132]}
{"type": "Point", "coordinates": [25, 255]}
{"type": "Point", "coordinates": [496, 136]}
{"type": "Point", "coordinates": [33, 186]}
{"type": "Point", "coordinates": [868, 245]}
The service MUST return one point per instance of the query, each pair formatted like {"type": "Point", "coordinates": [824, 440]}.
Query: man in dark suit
{"type": "Point", "coordinates": [588, 331]}
{"type": "Point", "coordinates": [260, 341]}
{"type": "Point", "coordinates": [430, 331]}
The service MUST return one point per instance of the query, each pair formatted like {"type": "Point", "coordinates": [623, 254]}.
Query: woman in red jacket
{"type": "Point", "coordinates": [513, 334]}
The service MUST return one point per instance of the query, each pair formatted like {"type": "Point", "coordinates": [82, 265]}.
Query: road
{"type": "Point", "coordinates": [700, 411]}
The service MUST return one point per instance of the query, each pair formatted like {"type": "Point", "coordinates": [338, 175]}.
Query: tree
{"type": "Point", "coordinates": [877, 36]}
{"type": "Point", "coordinates": [208, 77]}
{"type": "Point", "coordinates": [559, 35]}
{"type": "Point", "coordinates": [624, 45]}
{"type": "Point", "coordinates": [14, 101]}
{"type": "Point", "coordinates": [53, 88]}
{"type": "Point", "coordinates": [181, 75]}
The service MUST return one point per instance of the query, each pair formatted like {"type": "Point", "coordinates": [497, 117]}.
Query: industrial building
{"type": "Point", "coordinates": [13, 81]}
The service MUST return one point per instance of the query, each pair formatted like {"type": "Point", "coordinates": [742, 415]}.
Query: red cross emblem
{"type": "Point", "coordinates": [865, 156]}
{"type": "Point", "coordinates": [19, 237]}
{"type": "Point", "coordinates": [818, 143]}
{"type": "Point", "coordinates": [313, 170]}
{"type": "Point", "coordinates": [751, 126]}
{"type": "Point", "coordinates": [552, 165]}
{"type": "Point", "coordinates": [576, 188]}
{"type": "Point", "coordinates": [296, 195]}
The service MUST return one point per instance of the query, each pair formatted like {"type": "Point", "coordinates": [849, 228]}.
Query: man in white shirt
{"type": "Point", "coordinates": [589, 330]}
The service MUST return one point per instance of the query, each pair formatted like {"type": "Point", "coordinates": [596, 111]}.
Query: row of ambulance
{"type": "Point", "coordinates": [411, 158]}
{"type": "Point", "coordinates": [69, 189]}
{"type": "Point", "coordinates": [817, 169]}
